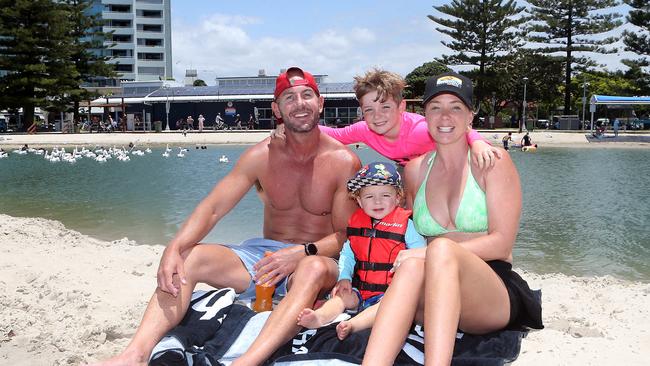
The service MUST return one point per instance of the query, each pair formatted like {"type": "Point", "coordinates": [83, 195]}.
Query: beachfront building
{"type": "Point", "coordinates": [231, 97]}
{"type": "Point", "coordinates": [141, 39]}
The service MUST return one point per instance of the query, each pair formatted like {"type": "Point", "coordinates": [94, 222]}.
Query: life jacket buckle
{"type": "Point", "coordinates": [369, 233]}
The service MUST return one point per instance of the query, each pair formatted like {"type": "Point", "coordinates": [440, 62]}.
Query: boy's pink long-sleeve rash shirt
{"type": "Point", "coordinates": [414, 138]}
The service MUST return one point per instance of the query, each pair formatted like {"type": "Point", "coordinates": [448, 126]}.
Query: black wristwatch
{"type": "Point", "coordinates": [311, 249]}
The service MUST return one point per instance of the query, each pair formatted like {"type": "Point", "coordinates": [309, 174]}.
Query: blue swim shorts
{"type": "Point", "coordinates": [364, 304]}
{"type": "Point", "coordinates": [250, 252]}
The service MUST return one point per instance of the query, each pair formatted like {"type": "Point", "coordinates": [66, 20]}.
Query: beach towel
{"type": "Point", "coordinates": [216, 330]}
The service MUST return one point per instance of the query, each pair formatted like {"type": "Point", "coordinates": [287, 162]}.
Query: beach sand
{"type": "Point", "coordinates": [68, 298]}
{"type": "Point", "coordinates": [544, 138]}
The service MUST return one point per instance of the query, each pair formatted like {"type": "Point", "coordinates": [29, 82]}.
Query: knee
{"type": "Point", "coordinates": [442, 251]}
{"type": "Point", "coordinates": [313, 269]}
{"type": "Point", "coordinates": [412, 269]}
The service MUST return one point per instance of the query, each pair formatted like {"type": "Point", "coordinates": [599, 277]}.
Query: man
{"type": "Point", "coordinates": [506, 139]}
{"type": "Point", "coordinates": [526, 140]}
{"type": "Point", "coordinates": [303, 202]}
{"type": "Point", "coordinates": [218, 123]}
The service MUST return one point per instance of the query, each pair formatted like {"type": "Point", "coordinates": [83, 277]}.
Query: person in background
{"type": "Point", "coordinates": [238, 125]}
{"type": "Point", "coordinates": [219, 123]}
{"type": "Point", "coordinates": [251, 122]}
{"type": "Point", "coordinates": [190, 122]}
{"type": "Point", "coordinates": [470, 217]}
{"type": "Point", "coordinates": [526, 140]}
{"type": "Point", "coordinates": [506, 139]}
{"type": "Point", "coordinates": [201, 122]}
{"type": "Point", "coordinates": [617, 125]}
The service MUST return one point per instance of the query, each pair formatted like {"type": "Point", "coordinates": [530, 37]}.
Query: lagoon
{"type": "Point", "coordinates": [586, 211]}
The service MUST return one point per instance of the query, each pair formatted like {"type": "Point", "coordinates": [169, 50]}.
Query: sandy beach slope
{"type": "Point", "coordinates": [47, 140]}
{"type": "Point", "coordinates": [68, 298]}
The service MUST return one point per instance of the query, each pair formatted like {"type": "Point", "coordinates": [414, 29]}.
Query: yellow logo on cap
{"type": "Point", "coordinates": [450, 80]}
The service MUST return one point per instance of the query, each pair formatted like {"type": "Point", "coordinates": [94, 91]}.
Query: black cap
{"type": "Point", "coordinates": [449, 82]}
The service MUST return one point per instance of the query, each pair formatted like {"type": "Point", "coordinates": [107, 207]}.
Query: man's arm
{"type": "Point", "coordinates": [223, 197]}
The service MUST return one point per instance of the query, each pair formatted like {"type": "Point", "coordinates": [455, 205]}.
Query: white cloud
{"type": "Point", "coordinates": [222, 45]}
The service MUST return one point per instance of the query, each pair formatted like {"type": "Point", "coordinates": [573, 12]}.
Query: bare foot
{"type": "Point", "coordinates": [344, 328]}
{"type": "Point", "coordinates": [310, 319]}
{"type": "Point", "coordinates": [123, 359]}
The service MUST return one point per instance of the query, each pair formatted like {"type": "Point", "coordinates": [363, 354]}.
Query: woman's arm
{"type": "Point", "coordinates": [503, 195]}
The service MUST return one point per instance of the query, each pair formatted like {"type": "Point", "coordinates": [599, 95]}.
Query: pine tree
{"type": "Point", "coordinates": [88, 52]}
{"type": "Point", "coordinates": [569, 26]}
{"type": "Point", "coordinates": [32, 33]}
{"type": "Point", "coordinates": [482, 32]}
{"type": "Point", "coordinates": [638, 42]}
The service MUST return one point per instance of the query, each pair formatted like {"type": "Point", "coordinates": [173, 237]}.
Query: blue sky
{"type": "Point", "coordinates": [337, 38]}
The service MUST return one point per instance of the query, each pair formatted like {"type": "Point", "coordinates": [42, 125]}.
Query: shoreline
{"type": "Point", "coordinates": [544, 138]}
{"type": "Point", "coordinates": [69, 298]}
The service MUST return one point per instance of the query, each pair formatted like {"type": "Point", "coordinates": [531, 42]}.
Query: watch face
{"type": "Point", "coordinates": [312, 249]}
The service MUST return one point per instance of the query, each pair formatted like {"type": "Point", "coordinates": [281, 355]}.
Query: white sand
{"type": "Point", "coordinates": [68, 298]}
{"type": "Point", "coordinates": [543, 138]}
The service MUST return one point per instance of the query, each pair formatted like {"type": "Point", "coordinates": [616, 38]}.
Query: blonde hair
{"type": "Point", "coordinates": [385, 83]}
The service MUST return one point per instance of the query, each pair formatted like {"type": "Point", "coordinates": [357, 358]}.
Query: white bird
{"type": "Point", "coordinates": [165, 154]}
{"type": "Point", "coordinates": [180, 152]}
{"type": "Point", "coordinates": [147, 150]}
{"type": "Point", "coordinates": [167, 149]}
{"type": "Point", "coordinates": [223, 159]}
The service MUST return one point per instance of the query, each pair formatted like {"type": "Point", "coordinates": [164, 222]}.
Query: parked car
{"type": "Point", "coordinates": [634, 124]}
{"type": "Point", "coordinates": [644, 123]}
{"type": "Point", "coordinates": [542, 123]}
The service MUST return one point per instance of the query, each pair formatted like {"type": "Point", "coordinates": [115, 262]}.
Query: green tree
{"type": "Point", "coordinates": [417, 79]}
{"type": "Point", "coordinates": [570, 26]}
{"type": "Point", "coordinates": [32, 36]}
{"type": "Point", "coordinates": [199, 82]}
{"type": "Point", "coordinates": [483, 32]}
{"type": "Point", "coordinates": [89, 55]}
{"type": "Point", "coordinates": [543, 84]}
{"type": "Point", "coordinates": [638, 42]}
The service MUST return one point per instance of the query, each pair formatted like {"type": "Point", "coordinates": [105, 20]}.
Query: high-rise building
{"type": "Point", "coordinates": [141, 38]}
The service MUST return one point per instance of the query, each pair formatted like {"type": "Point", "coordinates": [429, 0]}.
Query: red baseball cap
{"type": "Point", "coordinates": [298, 77]}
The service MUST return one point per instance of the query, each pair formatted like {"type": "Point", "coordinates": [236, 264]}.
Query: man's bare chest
{"type": "Point", "coordinates": [290, 190]}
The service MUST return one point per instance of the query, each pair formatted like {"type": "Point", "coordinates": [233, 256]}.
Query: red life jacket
{"type": "Point", "coordinates": [375, 249]}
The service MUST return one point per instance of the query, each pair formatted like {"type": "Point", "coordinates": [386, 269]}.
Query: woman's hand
{"type": "Point", "coordinates": [408, 253]}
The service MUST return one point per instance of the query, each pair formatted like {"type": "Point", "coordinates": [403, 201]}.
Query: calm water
{"type": "Point", "coordinates": [586, 211]}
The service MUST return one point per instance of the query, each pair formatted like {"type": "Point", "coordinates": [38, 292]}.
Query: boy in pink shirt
{"type": "Point", "coordinates": [391, 131]}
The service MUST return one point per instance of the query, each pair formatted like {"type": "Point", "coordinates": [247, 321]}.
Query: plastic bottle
{"type": "Point", "coordinates": [263, 294]}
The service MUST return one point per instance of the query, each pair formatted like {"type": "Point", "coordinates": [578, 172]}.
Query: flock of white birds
{"type": "Point", "coordinates": [100, 154]}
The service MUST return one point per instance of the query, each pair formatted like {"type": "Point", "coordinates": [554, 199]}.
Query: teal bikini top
{"type": "Point", "coordinates": [471, 217]}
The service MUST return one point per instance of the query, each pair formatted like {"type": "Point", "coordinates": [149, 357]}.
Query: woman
{"type": "Point", "coordinates": [463, 279]}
